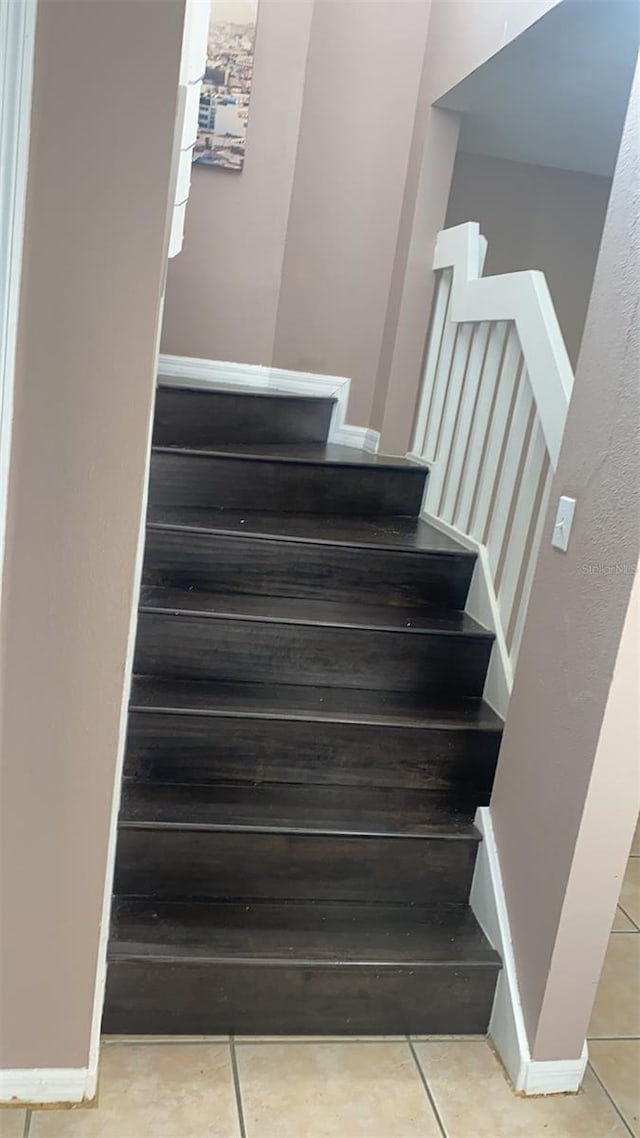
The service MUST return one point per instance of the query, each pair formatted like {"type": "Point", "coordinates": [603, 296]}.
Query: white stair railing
{"type": "Point", "coordinates": [491, 414]}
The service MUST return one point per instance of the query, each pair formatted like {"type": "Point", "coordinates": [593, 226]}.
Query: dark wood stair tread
{"type": "Point", "coordinates": [296, 610]}
{"type": "Point", "coordinates": [329, 454]}
{"type": "Point", "coordinates": [289, 809]}
{"type": "Point", "coordinates": [401, 534]}
{"type": "Point", "coordinates": [301, 933]}
{"type": "Point", "coordinates": [301, 702]}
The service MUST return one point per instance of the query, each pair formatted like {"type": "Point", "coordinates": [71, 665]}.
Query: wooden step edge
{"type": "Point", "coordinates": [436, 833]}
{"type": "Point", "coordinates": [119, 951]}
{"type": "Point", "coordinates": [467, 555]}
{"type": "Point", "coordinates": [477, 633]}
{"type": "Point", "coordinates": [396, 464]}
{"type": "Point", "coordinates": [318, 717]}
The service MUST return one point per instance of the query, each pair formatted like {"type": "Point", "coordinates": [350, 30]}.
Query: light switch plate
{"type": "Point", "coordinates": [563, 523]}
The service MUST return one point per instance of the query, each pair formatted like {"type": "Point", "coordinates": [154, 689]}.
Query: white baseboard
{"type": "Point", "coordinates": [189, 371]}
{"type": "Point", "coordinates": [506, 1029]}
{"type": "Point", "coordinates": [48, 1085]}
{"type": "Point", "coordinates": [364, 438]}
{"type": "Point", "coordinates": [482, 605]}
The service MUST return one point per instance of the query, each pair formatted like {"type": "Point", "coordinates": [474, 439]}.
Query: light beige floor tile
{"type": "Point", "coordinates": [635, 846]}
{"type": "Point", "coordinates": [107, 1040]}
{"type": "Point", "coordinates": [333, 1090]}
{"type": "Point", "coordinates": [617, 1064]}
{"type": "Point", "coordinates": [12, 1122]}
{"type": "Point", "coordinates": [475, 1100]}
{"type": "Point", "coordinates": [630, 892]}
{"type": "Point", "coordinates": [147, 1091]}
{"type": "Point", "coordinates": [622, 924]}
{"type": "Point", "coordinates": [617, 1007]}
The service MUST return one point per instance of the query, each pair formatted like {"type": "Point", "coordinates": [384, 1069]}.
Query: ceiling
{"type": "Point", "coordinates": [557, 94]}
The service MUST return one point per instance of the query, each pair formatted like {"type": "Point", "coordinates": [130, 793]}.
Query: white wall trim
{"type": "Point", "coordinates": [364, 438]}
{"type": "Point", "coordinates": [189, 371]}
{"type": "Point", "coordinates": [506, 1028]}
{"type": "Point", "coordinates": [482, 605]}
{"type": "Point", "coordinates": [17, 40]}
{"type": "Point", "coordinates": [48, 1085]}
{"type": "Point", "coordinates": [105, 920]}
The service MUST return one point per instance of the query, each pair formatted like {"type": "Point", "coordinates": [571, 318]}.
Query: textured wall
{"type": "Point", "coordinates": [536, 217]}
{"type": "Point", "coordinates": [577, 610]}
{"type": "Point", "coordinates": [103, 116]}
{"type": "Point", "coordinates": [317, 257]}
{"type": "Point", "coordinates": [224, 288]}
{"type": "Point", "coordinates": [463, 34]}
{"type": "Point", "coordinates": [363, 74]}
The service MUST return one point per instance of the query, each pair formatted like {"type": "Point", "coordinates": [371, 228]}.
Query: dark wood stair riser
{"type": "Point", "coordinates": [254, 651]}
{"type": "Point", "coordinates": [203, 999]}
{"type": "Point", "coordinates": [205, 749]}
{"type": "Point", "coordinates": [329, 934]}
{"type": "Point", "coordinates": [193, 418]}
{"type": "Point", "coordinates": [234, 563]}
{"type": "Point", "coordinates": [293, 487]}
{"type": "Point", "coordinates": [183, 863]}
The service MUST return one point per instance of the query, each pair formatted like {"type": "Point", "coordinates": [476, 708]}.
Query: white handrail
{"type": "Point", "coordinates": [524, 298]}
{"type": "Point", "coordinates": [495, 394]}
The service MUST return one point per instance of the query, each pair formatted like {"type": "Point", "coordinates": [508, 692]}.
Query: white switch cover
{"type": "Point", "coordinates": [563, 523]}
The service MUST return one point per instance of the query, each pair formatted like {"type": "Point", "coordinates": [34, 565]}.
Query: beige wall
{"type": "Point", "coordinates": [102, 130]}
{"type": "Point", "coordinates": [282, 264]}
{"type": "Point", "coordinates": [317, 257]}
{"type": "Point", "coordinates": [550, 847]}
{"type": "Point", "coordinates": [600, 856]}
{"type": "Point", "coordinates": [463, 34]}
{"type": "Point", "coordinates": [536, 217]}
{"type": "Point", "coordinates": [363, 74]}
{"type": "Point", "coordinates": [400, 370]}
{"type": "Point", "coordinates": [223, 289]}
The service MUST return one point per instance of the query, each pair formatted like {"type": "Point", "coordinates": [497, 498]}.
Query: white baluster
{"type": "Point", "coordinates": [439, 389]}
{"type": "Point", "coordinates": [478, 433]}
{"type": "Point", "coordinates": [436, 332]}
{"type": "Point", "coordinates": [460, 442]}
{"type": "Point", "coordinates": [522, 522]}
{"type": "Point", "coordinates": [509, 373]}
{"type": "Point", "coordinates": [450, 409]}
{"type": "Point", "coordinates": [508, 474]}
{"type": "Point", "coordinates": [522, 602]}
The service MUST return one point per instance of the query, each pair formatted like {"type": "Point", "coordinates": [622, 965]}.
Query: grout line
{"type": "Point", "coordinates": [423, 1080]}
{"type": "Point", "coordinates": [27, 1124]}
{"type": "Point", "coordinates": [164, 1041]}
{"type": "Point", "coordinates": [612, 1038]}
{"type": "Point", "coordinates": [634, 923]}
{"type": "Point", "coordinates": [311, 1041]}
{"type": "Point", "coordinates": [611, 1100]}
{"type": "Point", "coordinates": [237, 1087]}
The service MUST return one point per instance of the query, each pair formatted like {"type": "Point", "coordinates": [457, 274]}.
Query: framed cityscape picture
{"type": "Point", "coordinates": [226, 86]}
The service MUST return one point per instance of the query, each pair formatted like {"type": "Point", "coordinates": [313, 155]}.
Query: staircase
{"type": "Point", "coordinates": [307, 741]}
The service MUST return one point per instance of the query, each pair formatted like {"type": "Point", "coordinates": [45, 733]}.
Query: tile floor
{"type": "Point", "coordinates": [614, 1034]}
{"type": "Point", "coordinates": [374, 1088]}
